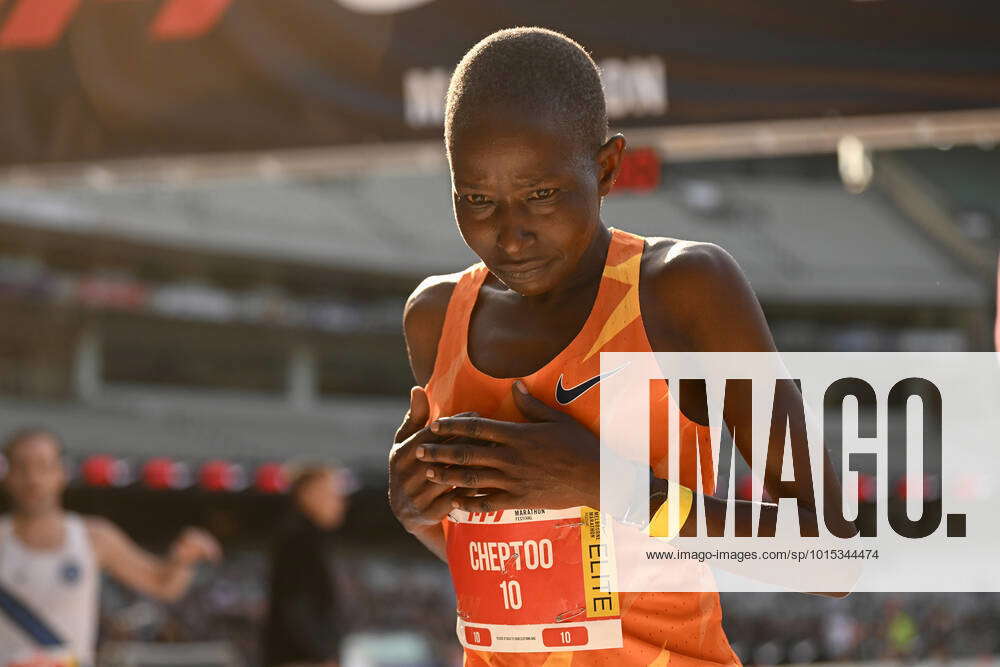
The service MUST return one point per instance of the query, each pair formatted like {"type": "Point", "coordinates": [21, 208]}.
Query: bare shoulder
{"type": "Point", "coordinates": [696, 297]}
{"type": "Point", "coordinates": [423, 320]}
{"type": "Point", "coordinates": [669, 258]}
{"type": "Point", "coordinates": [97, 524]}
{"type": "Point", "coordinates": [430, 299]}
{"type": "Point", "coordinates": [99, 529]}
{"type": "Point", "coordinates": [683, 274]}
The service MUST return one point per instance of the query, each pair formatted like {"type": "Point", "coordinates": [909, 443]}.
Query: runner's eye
{"type": "Point", "coordinates": [475, 199]}
{"type": "Point", "coordinates": [543, 194]}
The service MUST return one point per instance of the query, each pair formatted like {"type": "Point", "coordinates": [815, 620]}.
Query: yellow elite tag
{"type": "Point", "coordinates": [599, 580]}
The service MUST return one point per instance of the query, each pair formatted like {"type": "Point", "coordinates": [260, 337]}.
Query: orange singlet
{"type": "Point", "coordinates": [521, 575]}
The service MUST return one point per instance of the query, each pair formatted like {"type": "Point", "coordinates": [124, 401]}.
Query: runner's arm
{"type": "Point", "coordinates": [162, 578]}
{"type": "Point", "coordinates": [719, 312]}
{"type": "Point", "coordinates": [423, 322]}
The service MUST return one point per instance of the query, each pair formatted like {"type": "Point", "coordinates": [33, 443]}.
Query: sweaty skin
{"type": "Point", "coordinates": [527, 202]}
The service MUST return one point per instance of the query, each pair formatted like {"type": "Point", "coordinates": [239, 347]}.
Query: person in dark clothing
{"type": "Point", "coordinates": [305, 620]}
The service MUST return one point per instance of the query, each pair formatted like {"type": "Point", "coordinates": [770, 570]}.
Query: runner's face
{"type": "Point", "coordinates": [527, 199]}
{"type": "Point", "coordinates": [36, 477]}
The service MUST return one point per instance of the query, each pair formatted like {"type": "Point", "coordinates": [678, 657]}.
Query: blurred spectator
{"type": "Point", "coordinates": [902, 630]}
{"type": "Point", "coordinates": [840, 635]}
{"type": "Point", "coordinates": [50, 560]}
{"type": "Point", "coordinates": [307, 614]}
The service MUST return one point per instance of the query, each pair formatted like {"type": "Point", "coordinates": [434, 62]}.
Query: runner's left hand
{"type": "Point", "coordinates": [551, 462]}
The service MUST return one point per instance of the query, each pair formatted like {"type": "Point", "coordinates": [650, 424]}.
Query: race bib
{"type": "Point", "coordinates": [534, 580]}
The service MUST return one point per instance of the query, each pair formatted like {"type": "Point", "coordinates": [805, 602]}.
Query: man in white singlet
{"type": "Point", "coordinates": [51, 560]}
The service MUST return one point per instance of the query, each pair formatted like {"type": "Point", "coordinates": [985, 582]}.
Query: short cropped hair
{"type": "Point", "coordinates": [14, 439]}
{"type": "Point", "coordinates": [535, 70]}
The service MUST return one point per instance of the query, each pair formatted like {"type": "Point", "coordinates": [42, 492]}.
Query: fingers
{"type": "Point", "coordinates": [478, 428]}
{"type": "Point", "coordinates": [469, 478]}
{"type": "Point", "coordinates": [532, 408]}
{"type": "Point", "coordinates": [412, 481]}
{"type": "Point", "coordinates": [419, 436]}
{"type": "Point", "coordinates": [407, 447]}
{"type": "Point", "coordinates": [407, 472]}
{"type": "Point", "coordinates": [438, 508]}
{"type": "Point", "coordinates": [428, 504]}
{"type": "Point", "coordinates": [500, 500]}
{"type": "Point", "coordinates": [463, 453]}
{"type": "Point", "coordinates": [401, 456]}
{"type": "Point", "coordinates": [427, 493]}
{"type": "Point", "coordinates": [417, 415]}
{"type": "Point", "coordinates": [435, 502]}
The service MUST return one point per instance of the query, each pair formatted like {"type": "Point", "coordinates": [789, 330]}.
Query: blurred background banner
{"type": "Point", "coordinates": [99, 79]}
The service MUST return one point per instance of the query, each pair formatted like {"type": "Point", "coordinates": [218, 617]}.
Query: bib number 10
{"type": "Point", "coordinates": [511, 594]}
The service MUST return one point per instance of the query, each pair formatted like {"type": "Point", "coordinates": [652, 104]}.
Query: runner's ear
{"type": "Point", "coordinates": [609, 163]}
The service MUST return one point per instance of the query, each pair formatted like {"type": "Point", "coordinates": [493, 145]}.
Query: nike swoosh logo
{"type": "Point", "coordinates": [566, 396]}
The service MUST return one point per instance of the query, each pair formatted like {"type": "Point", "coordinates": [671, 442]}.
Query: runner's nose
{"type": "Point", "coordinates": [513, 232]}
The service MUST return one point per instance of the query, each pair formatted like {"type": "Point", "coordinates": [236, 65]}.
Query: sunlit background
{"type": "Point", "coordinates": [212, 211]}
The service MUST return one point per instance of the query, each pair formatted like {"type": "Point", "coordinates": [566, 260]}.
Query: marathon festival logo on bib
{"type": "Point", "coordinates": [534, 580]}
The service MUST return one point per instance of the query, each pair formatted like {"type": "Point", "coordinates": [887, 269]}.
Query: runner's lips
{"type": "Point", "coordinates": [522, 271]}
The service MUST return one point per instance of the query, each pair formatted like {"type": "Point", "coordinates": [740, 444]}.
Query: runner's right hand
{"type": "Point", "coordinates": [416, 502]}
